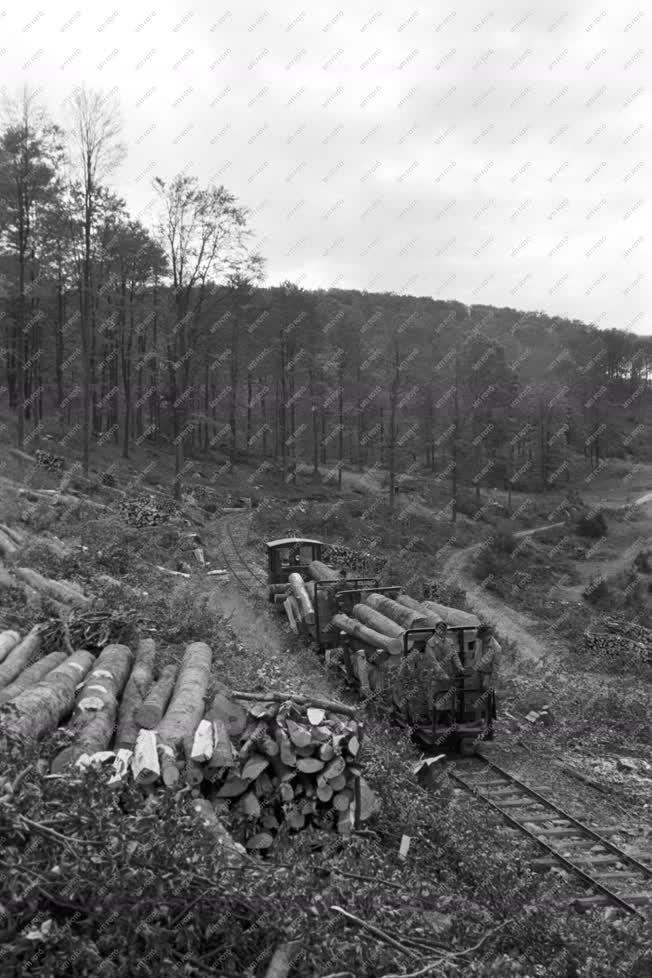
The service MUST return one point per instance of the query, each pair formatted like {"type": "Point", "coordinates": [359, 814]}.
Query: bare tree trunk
{"type": "Point", "coordinates": [456, 423]}
{"type": "Point", "coordinates": [315, 424]}
{"type": "Point", "coordinates": [234, 373]}
{"type": "Point", "coordinates": [340, 436]}
{"type": "Point", "coordinates": [263, 415]}
{"type": "Point", "coordinates": [283, 407]}
{"type": "Point", "coordinates": [324, 455]}
{"type": "Point", "coordinates": [249, 396]}
{"type": "Point", "coordinates": [510, 472]}
{"type": "Point", "coordinates": [392, 428]}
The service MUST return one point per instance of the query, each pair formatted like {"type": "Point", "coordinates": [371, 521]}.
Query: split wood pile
{"type": "Point", "coordinates": [48, 461]}
{"type": "Point", "coordinates": [362, 561]}
{"type": "Point", "coordinates": [283, 763]}
{"type": "Point", "coordinates": [150, 511]}
{"type": "Point", "coordinates": [616, 637]}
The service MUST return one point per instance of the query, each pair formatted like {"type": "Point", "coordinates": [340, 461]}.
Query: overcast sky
{"type": "Point", "coordinates": [490, 156]}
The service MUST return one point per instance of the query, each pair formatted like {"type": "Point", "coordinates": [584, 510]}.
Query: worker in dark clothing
{"type": "Point", "coordinates": [445, 651]}
{"type": "Point", "coordinates": [417, 680]}
{"type": "Point", "coordinates": [486, 663]}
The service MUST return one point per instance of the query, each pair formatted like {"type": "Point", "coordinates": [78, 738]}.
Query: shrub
{"type": "Point", "coordinates": [504, 539]}
{"type": "Point", "coordinates": [592, 525]}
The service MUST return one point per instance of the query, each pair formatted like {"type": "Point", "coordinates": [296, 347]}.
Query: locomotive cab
{"type": "Point", "coordinates": [289, 556]}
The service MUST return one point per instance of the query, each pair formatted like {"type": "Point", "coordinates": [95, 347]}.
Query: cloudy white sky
{"type": "Point", "coordinates": [487, 155]}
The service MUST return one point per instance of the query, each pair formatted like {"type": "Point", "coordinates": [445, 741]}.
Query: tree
{"type": "Point", "coordinates": [30, 151]}
{"type": "Point", "coordinates": [95, 152]}
{"type": "Point", "coordinates": [203, 233]}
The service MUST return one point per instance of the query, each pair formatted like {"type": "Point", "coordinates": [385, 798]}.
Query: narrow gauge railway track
{"type": "Point", "coordinates": [248, 576]}
{"type": "Point", "coordinates": [618, 878]}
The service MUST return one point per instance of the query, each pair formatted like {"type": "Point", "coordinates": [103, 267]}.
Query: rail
{"type": "Point", "coordinates": [558, 824]}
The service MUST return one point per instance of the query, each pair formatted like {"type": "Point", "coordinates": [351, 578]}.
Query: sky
{"type": "Point", "coordinates": [453, 151]}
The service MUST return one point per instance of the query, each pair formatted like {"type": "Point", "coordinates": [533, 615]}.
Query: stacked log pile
{"type": "Point", "coordinates": [617, 637]}
{"type": "Point", "coordinates": [268, 759]}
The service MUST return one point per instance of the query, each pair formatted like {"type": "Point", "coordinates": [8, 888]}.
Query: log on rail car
{"type": "Point", "coordinates": [458, 719]}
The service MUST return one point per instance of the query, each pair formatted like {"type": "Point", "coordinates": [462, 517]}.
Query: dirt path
{"type": "Point", "coordinates": [518, 627]}
{"type": "Point", "coordinates": [508, 623]}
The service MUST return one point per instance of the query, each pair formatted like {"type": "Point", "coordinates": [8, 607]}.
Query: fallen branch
{"type": "Point", "coordinates": [447, 958]}
{"type": "Point", "coordinates": [367, 879]}
{"type": "Point", "coordinates": [427, 969]}
{"type": "Point", "coordinates": [376, 931]}
{"type": "Point", "coordinates": [330, 705]}
{"type": "Point", "coordinates": [39, 827]}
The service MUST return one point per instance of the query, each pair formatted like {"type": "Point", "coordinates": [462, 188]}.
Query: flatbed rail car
{"type": "Point", "coordinates": [460, 715]}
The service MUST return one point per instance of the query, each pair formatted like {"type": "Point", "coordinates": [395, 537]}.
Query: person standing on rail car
{"type": "Point", "coordinates": [425, 678]}
{"type": "Point", "coordinates": [443, 648]}
{"type": "Point", "coordinates": [445, 651]}
{"type": "Point", "coordinates": [415, 685]}
{"type": "Point", "coordinates": [486, 662]}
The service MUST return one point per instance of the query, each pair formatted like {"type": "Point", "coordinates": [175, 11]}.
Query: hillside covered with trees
{"type": "Point", "coordinates": [167, 334]}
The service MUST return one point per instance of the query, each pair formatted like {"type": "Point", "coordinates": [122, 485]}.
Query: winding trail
{"type": "Point", "coordinates": [508, 623]}
{"type": "Point", "coordinates": [511, 624]}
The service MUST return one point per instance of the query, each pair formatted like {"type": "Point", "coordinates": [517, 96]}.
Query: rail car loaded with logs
{"type": "Point", "coordinates": [375, 626]}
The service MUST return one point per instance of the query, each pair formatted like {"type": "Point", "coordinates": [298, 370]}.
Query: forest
{"type": "Point", "coordinates": [166, 334]}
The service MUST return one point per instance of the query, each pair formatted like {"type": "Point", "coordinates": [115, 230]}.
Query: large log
{"type": "Point", "coordinates": [452, 616]}
{"type": "Point", "coordinates": [96, 705]}
{"type": "Point", "coordinates": [322, 572]}
{"type": "Point", "coordinates": [305, 604]}
{"type": "Point", "coordinates": [405, 617]}
{"type": "Point", "coordinates": [32, 675]}
{"type": "Point", "coordinates": [137, 688]}
{"type": "Point", "coordinates": [20, 657]}
{"type": "Point", "coordinates": [8, 641]}
{"type": "Point", "coordinates": [60, 498]}
{"type": "Point", "coordinates": [380, 623]}
{"type": "Point", "coordinates": [7, 546]}
{"type": "Point", "coordinates": [186, 709]}
{"type": "Point", "coordinates": [39, 709]}
{"type": "Point", "coordinates": [367, 635]}
{"type": "Point", "coordinates": [16, 536]}
{"type": "Point", "coordinates": [65, 593]}
{"type": "Point", "coordinates": [419, 607]}
{"type": "Point", "coordinates": [6, 580]}
{"type": "Point", "coordinates": [151, 710]}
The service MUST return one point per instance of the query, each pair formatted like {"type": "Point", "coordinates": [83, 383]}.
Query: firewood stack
{"type": "Point", "coordinates": [283, 763]}
{"type": "Point", "coordinates": [45, 460]}
{"type": "Point", "coordinates": [150, 511]}
{"type": "Point", "coordinates": [617, 637]}
{"type": "Point", "coordinates": [362, 561]}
